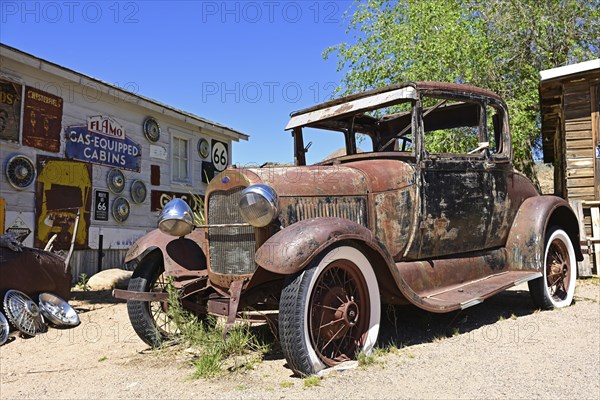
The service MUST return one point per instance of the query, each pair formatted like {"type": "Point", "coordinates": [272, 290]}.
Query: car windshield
{"type": "Point", "coordinates": [450, 126]}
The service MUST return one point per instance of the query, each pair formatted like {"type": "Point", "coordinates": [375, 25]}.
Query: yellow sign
{"type": "Point", "coordinates": [63, 189]}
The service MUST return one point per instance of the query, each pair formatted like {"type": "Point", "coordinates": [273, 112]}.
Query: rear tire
{"type": "Point", "coordinates": [555, 289]}
{"type": "Point", "coordinates": [329, 312]}
{"type": "Point", "coordinates": [149, 318]}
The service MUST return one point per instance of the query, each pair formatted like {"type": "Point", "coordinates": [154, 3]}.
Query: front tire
{"type": "Point", "coordinates": [555, 289]}
{"type": "Point", "coordinates": [329, 312]}
{"type": "Point", "coordinates": [149, 318]}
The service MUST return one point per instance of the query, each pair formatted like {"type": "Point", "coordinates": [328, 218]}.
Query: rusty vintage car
{"type": "Point", "coordinates": [415, 220]}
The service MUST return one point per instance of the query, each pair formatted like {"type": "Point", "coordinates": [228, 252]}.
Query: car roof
{"type": "Point", "coordinates": [381, 97]}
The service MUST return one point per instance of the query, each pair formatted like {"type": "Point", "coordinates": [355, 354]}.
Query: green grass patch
{"type": "Point", "coordinates": [216, 352]}
{"type": "Point", "coordinates": [311, 381]}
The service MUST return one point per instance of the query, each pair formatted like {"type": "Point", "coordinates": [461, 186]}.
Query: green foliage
{"type": "Point", "coordinates": [240, 348]}
{"type": "Point", "coordinates": [83, 282]}
{"type": "Point", "coordinates": [199, 217]}
{"type": "Point", "coordinates": [311, 381]}
{"type": "Point", "coordinates": [496, 44]}
{"type": "Point", "coordinates": [365, 360]}
{"type": "Point", "coordinates": [286, 384]}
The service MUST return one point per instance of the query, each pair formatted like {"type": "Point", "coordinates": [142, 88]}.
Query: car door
{"type": "Point", "coordinates": [455, 181]}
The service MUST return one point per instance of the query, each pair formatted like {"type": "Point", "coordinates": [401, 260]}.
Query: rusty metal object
{"type": "Point", "coordinates": [526, 241]}
{"type": "Point", "coordinates": [183, 257]}
{"type": "Point", "coordinates": [33, 271]}
{"type": "Point", "coordinates": [291, 249]}
{"type": "Point", "coordinates": [139, 296]}
{"type": "Point", "coordinates": [235, 291]}
{"type": "Point", "coordinates": [441, 230]}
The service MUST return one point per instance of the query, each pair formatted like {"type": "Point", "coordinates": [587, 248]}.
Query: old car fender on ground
{"type": "Point", "coordinates": [185, 256]}
{"type": "Point", "coordinates": [525, 242]}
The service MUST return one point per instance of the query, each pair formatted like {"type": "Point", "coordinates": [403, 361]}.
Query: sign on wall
{"type": "Point", "coordinates": [19, 228]}
{"type": "Point", "coordinates": [10, 110]}
{"type": "Point", "coordinates": [100, 148]}
{"type": "Point", "coordinates": [159, 198]}
{"type": "Point", "coordinates": [42, 119]}
{"type": "Point", "coordinates": [101, 205]}
{"type": "Point", "coordinates": [63, 188]}
{"type": "Point", "coordinates": [220, 155]}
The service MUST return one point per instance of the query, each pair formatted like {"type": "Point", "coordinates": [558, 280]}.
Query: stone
{"type": "Point", "coordinates": [109, 279]}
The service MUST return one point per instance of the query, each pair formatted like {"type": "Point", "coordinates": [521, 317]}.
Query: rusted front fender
{"type": "Point", "coordinates": [182, 256]}
{"type": "Point", "coordinates": [525, 243]}
{"type": "Point", "coordinates": [291, 249]}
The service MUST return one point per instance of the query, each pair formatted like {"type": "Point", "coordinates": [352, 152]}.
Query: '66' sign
{"type": "Point", "coordinates": [219, 155]}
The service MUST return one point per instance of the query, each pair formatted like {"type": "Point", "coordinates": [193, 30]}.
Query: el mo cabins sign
{"type": "Point", "coordinates": [103, 141]}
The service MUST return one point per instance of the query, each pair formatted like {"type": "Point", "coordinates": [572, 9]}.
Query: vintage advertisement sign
{"type": "Point", "coordinates": [63, 188]}
{"type": "Point", "coordinates": [19, 229]}
{"type": "Point", "coordinates": [98, 148]}
{"type": "Point", "coordinates": [101, 205]}
{"type": "Point", "coordinates": [159, 198]}
{"type": "Point", "coordinates": [10, 110]}
{"type": "Point", "coordinates": [105, 126]}
{"type": "Point", "coordinates": [42, 119]}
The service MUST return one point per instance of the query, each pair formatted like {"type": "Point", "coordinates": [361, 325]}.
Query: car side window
{"type": "Point", "coordinates": [454, 127]}
{"type": "Point", "coordinates": [495, 125]}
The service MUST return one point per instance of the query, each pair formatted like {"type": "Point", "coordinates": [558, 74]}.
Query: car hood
{"type": "Point", "coordinates": [351, 179]}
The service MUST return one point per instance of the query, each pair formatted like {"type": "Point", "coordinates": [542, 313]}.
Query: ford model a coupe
{"type": "Point", "coordinates": [434, 215]}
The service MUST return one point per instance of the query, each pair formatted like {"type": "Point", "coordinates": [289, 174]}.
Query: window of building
{"type": "Point", "coordinates": [180, 159]}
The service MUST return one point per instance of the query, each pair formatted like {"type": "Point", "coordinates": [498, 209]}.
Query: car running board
{"type": "Point", "coordinates": [467, 294]}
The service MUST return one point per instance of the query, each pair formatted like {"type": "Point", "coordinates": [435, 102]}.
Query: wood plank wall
{"type": "Point", "coordinates": [579, 148]}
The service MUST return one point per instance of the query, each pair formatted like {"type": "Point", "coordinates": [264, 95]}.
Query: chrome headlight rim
{"type": "Point", "coordinates": [270, 200]}
{"type": "Point", "coordinates": [176, 218]}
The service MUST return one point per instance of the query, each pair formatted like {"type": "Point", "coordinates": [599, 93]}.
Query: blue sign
{"type": "Point", "coordinates": [83, 145]}
{"type": "Point", "coordinates": [598, 151]}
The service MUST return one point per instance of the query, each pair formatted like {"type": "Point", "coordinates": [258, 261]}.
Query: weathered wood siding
{"type": "Point", "coordinates": [579, 142]}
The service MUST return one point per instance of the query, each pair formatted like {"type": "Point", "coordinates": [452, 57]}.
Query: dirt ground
{"type": "Point", "coordinates": [502, 348]}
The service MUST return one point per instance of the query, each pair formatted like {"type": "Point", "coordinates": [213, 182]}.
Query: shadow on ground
{"type": "Point", "coordinates": [94, 297]}
{"type": "Point", "coordinates": [403, 326]}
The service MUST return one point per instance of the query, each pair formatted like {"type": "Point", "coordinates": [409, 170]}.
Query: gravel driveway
{"type": "Point", "coordinates": [502, 348]}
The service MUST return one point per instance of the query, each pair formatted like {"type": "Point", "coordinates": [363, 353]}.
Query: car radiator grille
{"type": "Point", "coordinates": [349, 207]}
{"type": "Point", "coordinates": [231, 249]}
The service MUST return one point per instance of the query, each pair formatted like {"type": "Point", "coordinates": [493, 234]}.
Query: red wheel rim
{"type": "Point", "coordinates": [558, 268]}
{"type": "Point", "coordinates": [339, 312]}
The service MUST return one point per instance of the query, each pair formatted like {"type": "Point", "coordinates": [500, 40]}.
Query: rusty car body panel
{"type": "Point", "coordinates": [441, 228]}
{"type": "Point", "coordinates": [33, 271]}
{"type": "Point", "coordinates": [183, 257]}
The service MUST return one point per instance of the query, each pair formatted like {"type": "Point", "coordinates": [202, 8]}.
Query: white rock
{"type": "Point", "coordinates": [109, 279]}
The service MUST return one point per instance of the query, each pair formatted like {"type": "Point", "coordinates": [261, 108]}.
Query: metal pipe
{"type": "Point", "coordinates": [100, 252]}
{"type": "Point", "coordinates": [73, 237]}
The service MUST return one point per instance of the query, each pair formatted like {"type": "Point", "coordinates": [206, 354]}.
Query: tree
{"type": "Point", "coordinates": [498, 44]}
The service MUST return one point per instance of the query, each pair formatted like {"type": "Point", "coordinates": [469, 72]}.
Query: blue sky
{"type": "Point", "coordinates": [244, 64]}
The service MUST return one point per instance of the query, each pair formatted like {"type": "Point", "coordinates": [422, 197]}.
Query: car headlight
{"type": "Point", "coordinates": [176, 218]}
{"type": "Point", "coordinates": [258, 205]}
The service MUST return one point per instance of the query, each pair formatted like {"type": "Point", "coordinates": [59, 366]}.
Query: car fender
{"type": "Point", "coordinates": [291, 249]}
{"type": "Point", "coordinates": [526, 239]}
{"type": "Point", "coordinates": [185, 256]}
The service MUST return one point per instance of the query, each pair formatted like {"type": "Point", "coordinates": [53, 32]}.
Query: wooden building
{"type": "Point", "coordinates": [570, 101]}
{"type": "Point", "coordinates": [71, 143]}
{"type": "Point", "coordinates": [570, 113]}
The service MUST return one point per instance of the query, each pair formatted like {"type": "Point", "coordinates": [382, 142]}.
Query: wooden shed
{"type": "Point", "coordinates": [570, 115]}
{"type": "Point", "coordinates": [569, 98]}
